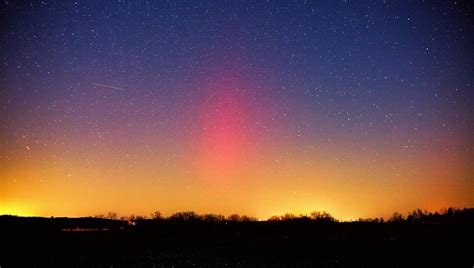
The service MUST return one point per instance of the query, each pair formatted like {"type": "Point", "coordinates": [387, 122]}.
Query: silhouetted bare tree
{"type": "Point", "coordinates": [185, 216]}
{"type": "Point", "coordinates": [234, 218]}
{"type": "Point", "coordinates": [111, 215]}
{"type": "Point", "coordinates": [417, 215]}
{"type": "Point", "coordinates": [156, 215]}
{"type": "Point", "coordinates": [322, 216]}
{"type": "Point", "coordinates": [274, 218]}
{"type": "Point", "coordinates": [288, 217]}
{"type": "Point", "coordinates": [245, 218]}
{"type": "Point", "coordinates": [396, 217]}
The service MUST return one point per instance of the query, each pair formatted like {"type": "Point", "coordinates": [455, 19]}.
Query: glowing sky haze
{"type": "Point", "coordinates": [359, 108]}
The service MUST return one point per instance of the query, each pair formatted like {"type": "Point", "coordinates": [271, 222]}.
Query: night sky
{"type": "Point", "coordinates": [359, 108]}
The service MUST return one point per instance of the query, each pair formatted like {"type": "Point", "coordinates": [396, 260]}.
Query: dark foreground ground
{"type": "Point", "coordinates": [43, 242]}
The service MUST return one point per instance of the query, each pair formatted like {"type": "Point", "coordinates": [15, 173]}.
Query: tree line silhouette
{"type": "Point", "coordinates": [188, 216]}
{"type": "Point", "coordinates": [417, 215]}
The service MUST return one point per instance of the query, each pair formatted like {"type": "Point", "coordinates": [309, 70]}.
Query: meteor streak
{"type": "Point", "coordinates": [102, 85]}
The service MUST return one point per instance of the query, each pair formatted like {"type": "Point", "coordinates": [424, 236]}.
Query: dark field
{"type": "Point", "coordinates": [44, 242]}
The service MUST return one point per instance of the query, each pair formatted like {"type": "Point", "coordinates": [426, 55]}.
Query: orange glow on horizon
{"type": "Point", "coordinates": [234, 161]}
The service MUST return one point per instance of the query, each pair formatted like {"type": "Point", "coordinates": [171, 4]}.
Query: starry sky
{"type": "Point", "coordinates": [359, 108]}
